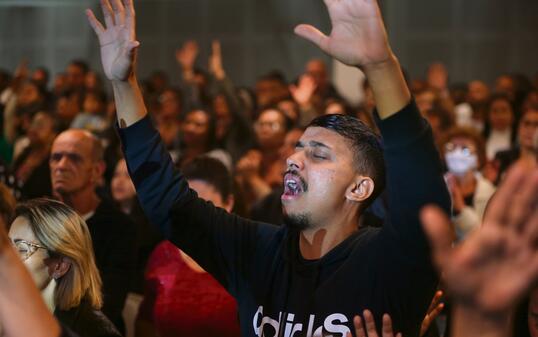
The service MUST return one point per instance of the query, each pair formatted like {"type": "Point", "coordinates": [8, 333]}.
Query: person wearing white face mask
{"type": "Point", "coordinates": [464, 154]}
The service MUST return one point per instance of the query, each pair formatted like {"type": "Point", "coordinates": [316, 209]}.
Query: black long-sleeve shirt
{"type": "Point", "coordinates": [386, 270]}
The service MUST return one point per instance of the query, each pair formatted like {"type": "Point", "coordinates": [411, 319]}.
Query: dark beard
{"type": "Point", "coordinates": [298, 222]}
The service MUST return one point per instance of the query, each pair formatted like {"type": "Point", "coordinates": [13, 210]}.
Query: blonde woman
{"type": "Point", "coordinates": [55, 245]}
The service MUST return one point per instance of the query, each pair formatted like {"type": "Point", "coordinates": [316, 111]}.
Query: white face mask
{"type": "Point", "coordinates": [460, 161]}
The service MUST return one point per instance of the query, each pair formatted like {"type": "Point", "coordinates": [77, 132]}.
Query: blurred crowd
{"type": "Point", "coordinates": [58, 139]}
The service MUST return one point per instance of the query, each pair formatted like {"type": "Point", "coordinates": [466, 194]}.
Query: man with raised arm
{"type": "Point", "coordinates": [310, 277]}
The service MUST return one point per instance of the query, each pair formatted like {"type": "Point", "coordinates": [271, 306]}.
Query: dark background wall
{"type": "Point", "coordinates": [475, 38]}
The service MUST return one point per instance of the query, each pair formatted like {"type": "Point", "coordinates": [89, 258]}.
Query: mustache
{"type": "Point", "coordinates": [296, 174]}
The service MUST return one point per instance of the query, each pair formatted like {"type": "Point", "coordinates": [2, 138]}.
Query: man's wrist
{"type": "Point", "coordinates": [389, 64]}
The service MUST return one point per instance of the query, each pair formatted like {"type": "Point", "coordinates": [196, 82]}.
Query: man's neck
{"type": "Point", "coordinates": [84, 202]}
{"type": "Point", "coordinates": [316, 243]}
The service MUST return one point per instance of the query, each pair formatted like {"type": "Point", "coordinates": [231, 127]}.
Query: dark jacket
{"type": "Point", "coordinates": [386, 270]}
{"type": "Point", "coordinates": [85, 321]}
{"type": "Point", "coordinates": [114, 242]}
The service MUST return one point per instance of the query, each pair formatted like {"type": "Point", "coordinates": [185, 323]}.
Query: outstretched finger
{"type": "Point", "coordinates": [435, 300]}
{"type": "Point", "coordinates": [437, 228]}
{"type": "Point", "coordinates": [496, 212]}
{"type": "Point", "coordinates": [119, 13]}
{"type": "Point", "coordinates": [387, 326]}
{"type": "Point", "coordinates": [129, 17]}
{"type": "Point", "coordinates": [108, 15]}
{"type": "Point", "coordinates": [313, 35]}
{"type": "Point", "coordinates": [96, 25]}
{"type": "Point", "coordinates": [359, 329]}
{"type": "Point", "coordinates": [370, 323]}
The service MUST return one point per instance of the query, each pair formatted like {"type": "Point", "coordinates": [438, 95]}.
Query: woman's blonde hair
{"type": "Point", "coordinates": [64, 233]}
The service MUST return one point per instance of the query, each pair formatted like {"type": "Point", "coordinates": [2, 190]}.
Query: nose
{"type": "Point", "coordinates": [295, 161]}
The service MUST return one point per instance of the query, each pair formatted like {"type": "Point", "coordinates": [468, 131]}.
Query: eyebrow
{"type": "Point", "coordinates": [312, 143]}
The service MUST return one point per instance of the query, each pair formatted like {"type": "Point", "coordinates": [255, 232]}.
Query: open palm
{"type": "Point", "coordinates": [358, 36]}
{"type": "Point", "coordinates": [498, 262]}
{"type": "Point", "coordinates": [117, 40]}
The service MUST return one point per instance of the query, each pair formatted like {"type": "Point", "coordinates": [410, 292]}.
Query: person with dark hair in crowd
{"type": "Point", "coordinates": [270, 89]}
{"type": "Point", "coordinates": [314, 274]}
{"type": "Point", "coordinates": [31, 167]}
{"type": "Point", "coordinates": [198, 138]}
{"type": "Point", "coordinates": [181, 299]}
{"type": "Point", "coordinates": [269, 209]}
{"type": "Point", "coordinates": [233, 130]}
{"type": "Point", "coordinates": [465, 155]}
{"type": "Point", "coordinates": [55, 245]}
{"type": "Point", "coordinates": [92, 117]}
{"type": "Point", "coordinates": [124, 195]}
{"type": "Point", "coordinates": [259, 171]}
{"type": "Point", "coordinates": [527, 138]}
{"type": "Point", "coordinates": [499, 128]}
{"type": "Point", "coordinates": [75, 75]}
{"type": "Point", "coordinates": [76, 165]}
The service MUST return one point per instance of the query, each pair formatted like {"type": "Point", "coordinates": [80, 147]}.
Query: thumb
{"type": "Point", "coordinates": [313, 35]}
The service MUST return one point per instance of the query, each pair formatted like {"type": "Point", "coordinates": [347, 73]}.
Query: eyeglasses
{"type": "Point", "coordinates": [467, 150]}
{"type": "Point", "coordinates": [26, 249]}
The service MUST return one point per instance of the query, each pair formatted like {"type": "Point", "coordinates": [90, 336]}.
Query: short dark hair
{"type": "Point", "coordinates": [82, 65]}
{"type": "Point", "coordinates": [211, 171]}
{"type": "Point", "coordinates": [368, 158]}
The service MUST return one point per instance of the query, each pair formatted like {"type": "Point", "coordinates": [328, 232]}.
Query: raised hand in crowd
{"type": "Point", "coordinates": [358, 38]}
{"type": "Point", "coordinates": [497, 264]}
{"type": "Point", "coordinates": [215, 61]}
{"type": "Point", "coordinates": [368, 329]}
{"type": "Point", "coordinates": [118, 43]}
{"type": "Point", "coordinates": [303, 92]}
{"type": "Point", "coordinates": [116, 38]}
{"type": "Point", "coordinates": [186, 58]}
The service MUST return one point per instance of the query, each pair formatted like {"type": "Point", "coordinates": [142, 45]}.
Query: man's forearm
{"type": "Point", "coordinates": [130, 106]}
{"type": "Point", "coordinates": [388, 85]}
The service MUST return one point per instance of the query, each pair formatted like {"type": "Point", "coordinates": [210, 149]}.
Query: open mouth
{"type": "Point", "coordinates": [294, 186]}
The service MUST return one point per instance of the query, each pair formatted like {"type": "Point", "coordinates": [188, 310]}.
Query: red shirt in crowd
{"type": "Point", "coordinates": [180, 301]}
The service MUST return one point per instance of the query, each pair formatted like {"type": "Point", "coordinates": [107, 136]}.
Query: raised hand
{"type": "Point", "coordinates": [358, 36]}
{"type": "Point", "coordinates": [497, 263]}
{"type": "Point", "coordinates": [303, 92]}
{"type": "Point", "coordinates": [368, 329]}
{"type": "Point", "coordinates": [187, 54]}
{"type": "Point", "coordinates": [215, 61]}
{"type": "Point", "coordinates": [118, 41]}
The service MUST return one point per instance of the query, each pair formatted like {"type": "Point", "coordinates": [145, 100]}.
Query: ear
{"type": "Point", "coordinates": [98, 170]}
{"type": "Point", "coordinates": [361, 189]}
{"type": "Point", "coordinates": [58, 266]}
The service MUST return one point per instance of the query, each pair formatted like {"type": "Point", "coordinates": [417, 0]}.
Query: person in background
{"type": "Point", "coordinates": [261, 170]}
{"type": "Point", "coordinates": [198, 138]}
{"type": "Point", "coordinates": [124, 195]}
{"type": "Point", "coordinates": [92, 118]}
{"type": "Point", "coordinates": [76, 165]}
{"type": "Point", "coordinates": [464, 154]}
{"type": "Point", "coordinates": [527, 132]}
{"type": "Point", "coordinates": [54, 243]}
{"type": "Point", "coordinates": [499, 129]}
{"type": "Point", "coordinates": [31, 167]}
{"type": "Point", "coordinates": [181, 299]}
